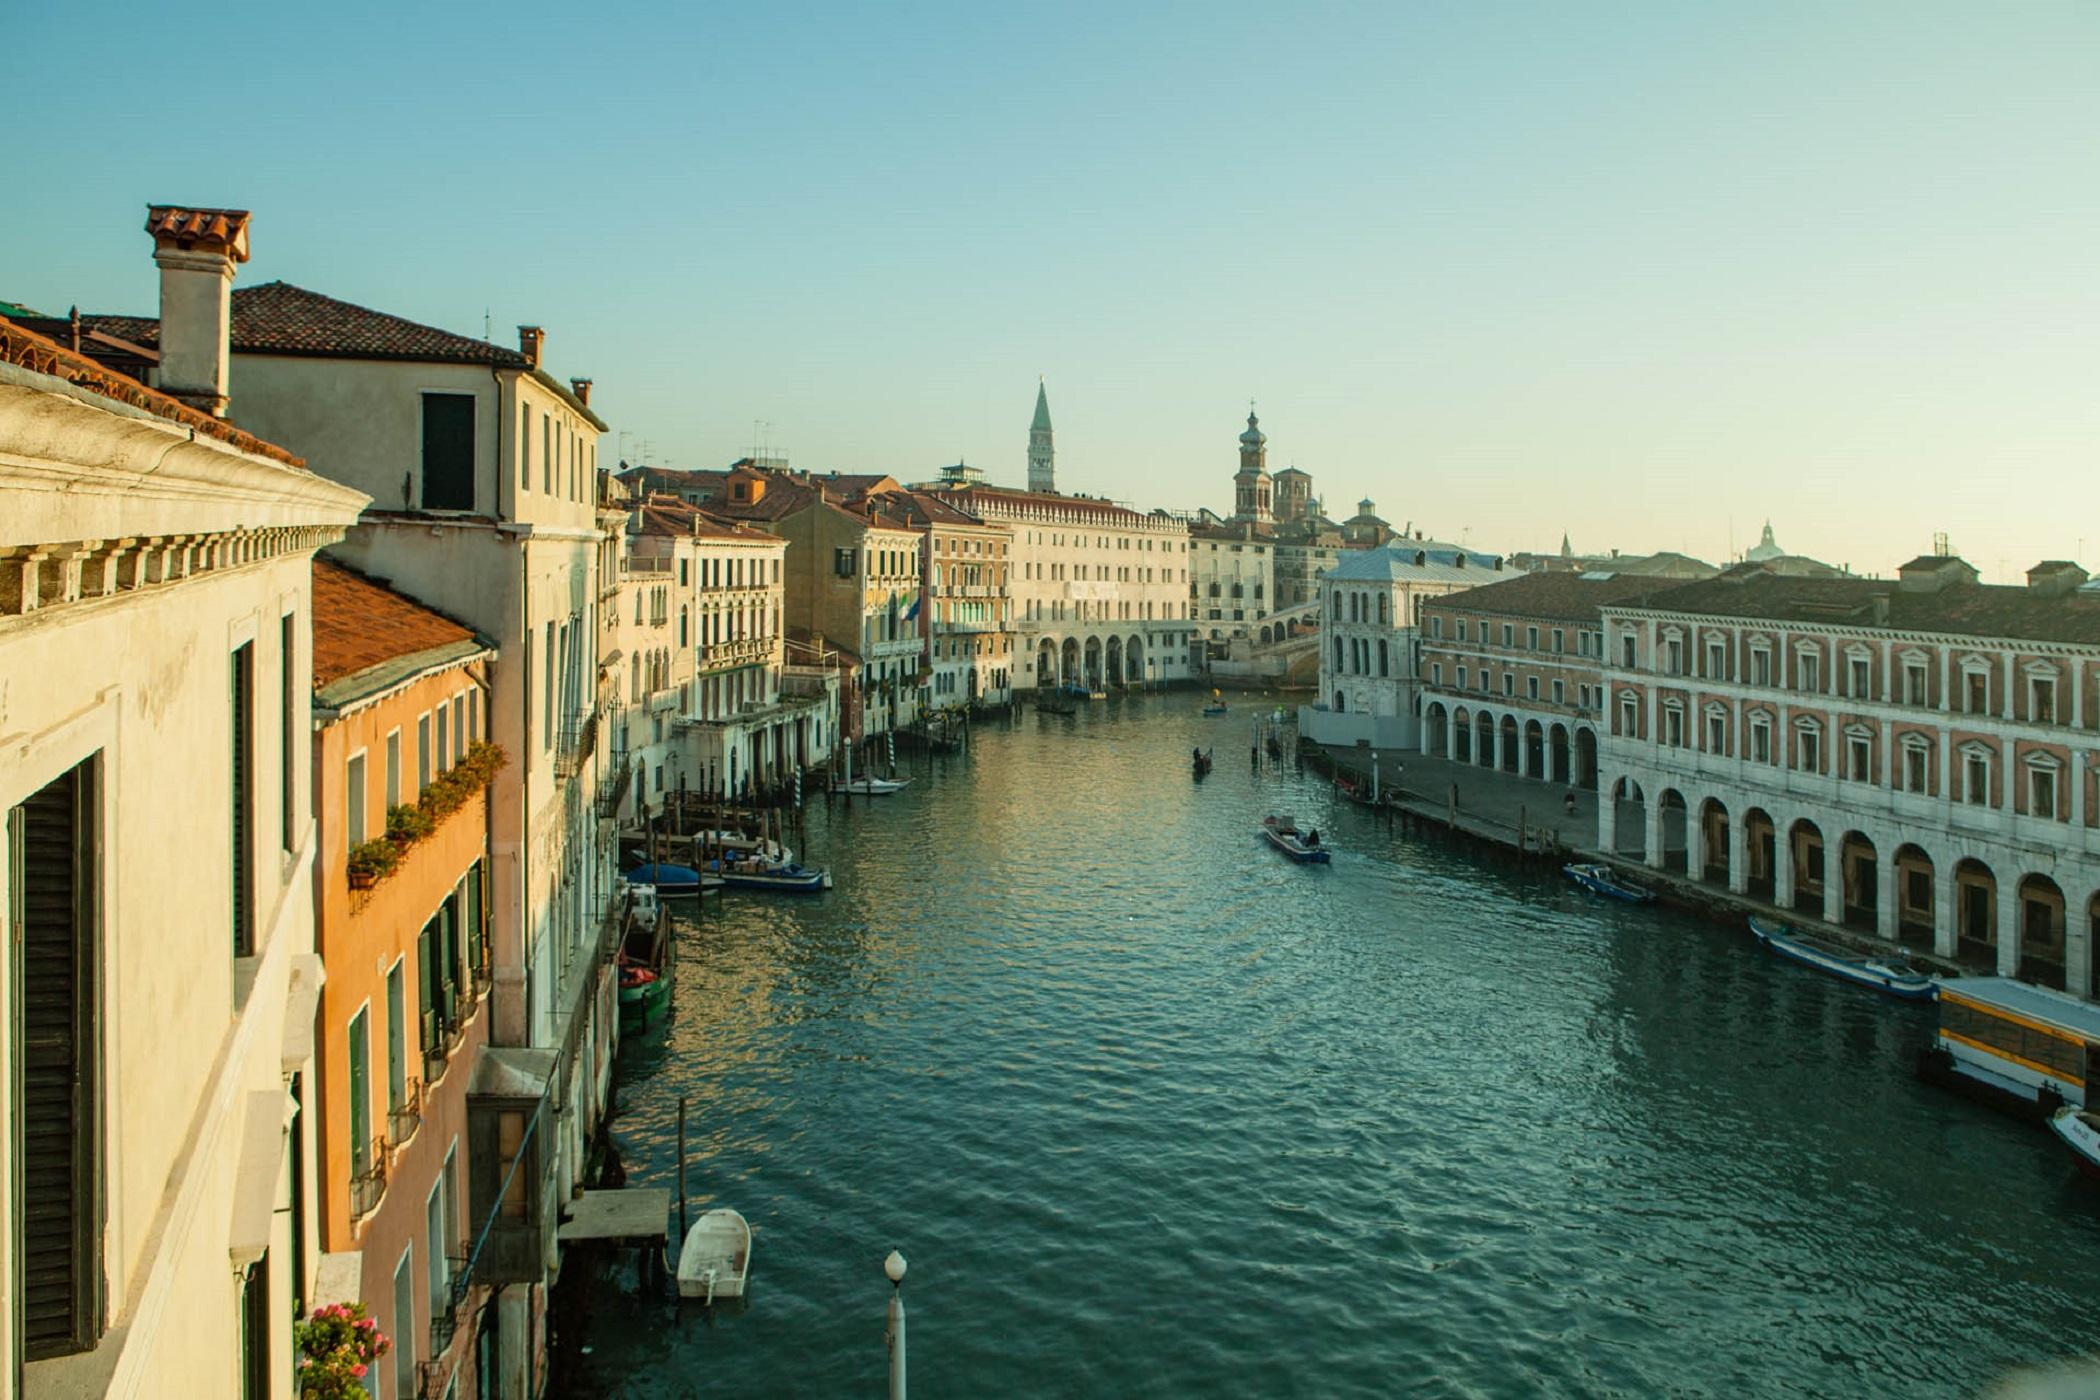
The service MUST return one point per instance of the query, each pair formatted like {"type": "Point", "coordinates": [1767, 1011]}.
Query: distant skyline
{"type": "Point", "coordinates": [1646, 274]}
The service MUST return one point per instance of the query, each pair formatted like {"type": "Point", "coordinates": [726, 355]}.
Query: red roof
{"type": "Point", "coordinates": [360, 623]}
{"type": "Point", "coordinates": [227, 226]}
{"type": "Point", "coordinates": [278, 318]}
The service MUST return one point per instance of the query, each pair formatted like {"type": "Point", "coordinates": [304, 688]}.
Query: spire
{"type": "Point", "coordinates": [1566, 551]}
{"type": "Point", "coordinates": [1042, 449]}
{"type": "Point", "coordinates": [1042, 409]}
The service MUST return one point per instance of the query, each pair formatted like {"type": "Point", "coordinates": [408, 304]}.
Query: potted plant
{"type": "Point", "coordinates": [407, 824]}
{"type": "Point", "coordinates": [371, 862]}
{"type": "Point", "coordinates": [337, 1345]}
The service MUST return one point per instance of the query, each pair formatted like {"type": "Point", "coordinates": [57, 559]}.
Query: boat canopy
{"type": "Point", "coordinates": [2056, 1010]}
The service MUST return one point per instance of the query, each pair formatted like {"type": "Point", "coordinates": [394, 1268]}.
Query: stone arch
{"type": "Point", "coordinates": [1134, 660]}
{"type": "Point", "coordinates": [1975, 913]}
{"type": "Point", "coordinates": [1559, 761]}
{"type": "Point", "coordinates": [1859, 877]}
{"type": "Point", "coordinates": [1068, 673]}
{"type": "Point", "coordinates": [1534, 749]}
{"type": "Point", "coordinates": [1091, 665]}
{"type": "Point", "coordinates": [1761, 855]}
{"type": "Point", "coordinates": [1585, 757]}
{"type": "Point", "coordinates": [1265, 637]}
{"type": "Point", "coordinates": [2039, 902]}
{"type": "Point", "coordinates": [1462, 745]}
{"type": "Point", "coordinates": [1804, 841]}
{"type": "Point", "coordinates": [1506, 742]}
{"type": "Point", "coordinates": [1046, 662]}
{"type": "Point", "coordinates": [1917, 907]}
{"type": "Point", "coordinates": [1630, 820]}
{"type": "Point", "coordinates": [1713, 840]}
{"type": "Point", "coordinates": [1675, 829]}
{"type": "Point", "coordinates": [1114, 664]}
{"type": "Point", "coordinates": [1435, 740]}
{"type": "Point", "coordinates": [1484, 739]}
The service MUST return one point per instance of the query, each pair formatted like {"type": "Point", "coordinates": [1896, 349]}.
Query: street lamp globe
{"type": "Point", "coordinates": [894, 1267]}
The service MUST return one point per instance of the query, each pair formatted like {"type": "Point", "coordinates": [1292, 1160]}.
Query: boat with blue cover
{"type": "Point", "coordinates": [1599, 878]}
{"type": "Point", "coordinates": [1891, 976]}
{"type": "Point", "coordinates": [1303, 847]}
{"type": "Point", "coordinates": [672, 881]}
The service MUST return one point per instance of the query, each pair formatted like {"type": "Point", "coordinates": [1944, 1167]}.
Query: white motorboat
{"type": "Point", "coordinates": [875, 787]}
{"type": "Point", "coordinates": [738, 846]}
{"type": "Point", "coordinates": [716, 1257]}
{"type": "Point", "coordinates": [2080, 1130]}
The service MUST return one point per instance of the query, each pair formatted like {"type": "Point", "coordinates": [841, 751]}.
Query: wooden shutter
{"type": "Point", "coordinates": [360, 1094]}
{"type": "Point", "coordinates": [448, 452]}
{"type": "Point", "coordinates": [243, 777]}
{"type": "Point", "coordinates": [59, 1212]}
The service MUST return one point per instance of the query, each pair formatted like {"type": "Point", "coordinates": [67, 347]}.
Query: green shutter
{"type": "Point", "coordinates": [360, 1094]}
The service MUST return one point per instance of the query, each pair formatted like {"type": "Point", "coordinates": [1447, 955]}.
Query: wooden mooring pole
{"type": "Point", "coordinates": [681, 1171]}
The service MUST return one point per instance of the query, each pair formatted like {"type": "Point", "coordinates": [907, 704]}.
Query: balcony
{"type": "Point", "coordinates": [743, 651]}
{"type": "Point", "coordinates": [574, 744]}
{"type": "Point", "coordinates": [404, 1118]}
{"type": "Point", "coordinates": [368, 1187]}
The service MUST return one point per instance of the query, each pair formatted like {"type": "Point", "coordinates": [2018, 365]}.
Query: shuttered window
{"type": "Point", "coordinates": [448, 452]}
{"type": "Point", "coordinates": [51, 840]}
{"type": "Point", "coordinates": [287, 731]}
{"type": "Point", "coordinates": [242, 768]}
{"type": "Point", "coordinates": [360, 1093]}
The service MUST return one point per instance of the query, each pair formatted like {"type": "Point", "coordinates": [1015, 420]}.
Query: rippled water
{"type": "Point", "coordinates": [1153, 1112]}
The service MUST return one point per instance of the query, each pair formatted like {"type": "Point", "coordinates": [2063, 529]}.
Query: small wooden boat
{"type": "Point", "coordinates": [1214, 709]}
{"type": "Point", "coordinates": [780, 879]}
{"type": "Point", "coordinates": [1599, 879]}
{"type": "Point", "coordinates": [644, 956]}
{"type": "Point", "coordinates": [875, 787]}
{"type": "Point", "coordinates": [715, 1259]}
{"type": "Point", "coordinates": [736, 845]}
{"type": "Point", "coordinates": [1896, 979]}
{"type": "Point", "coordinates": [672, 881]}
{"type": "Point", "coordinates": [1201, 765]}
{"type": "Point", "coordinates": [1283, 834]}
{"type": "Point", "coordinates": [2080, 1130]}
{"type": "Point", "coordinates": [1052, 702]}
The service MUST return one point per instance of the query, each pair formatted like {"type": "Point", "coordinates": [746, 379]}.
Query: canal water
{"type": "Point", "coordinates": [1153, 1112]}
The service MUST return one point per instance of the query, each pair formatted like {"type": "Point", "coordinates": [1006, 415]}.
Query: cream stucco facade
{"type": "Point", "coordinates": [155, 609]}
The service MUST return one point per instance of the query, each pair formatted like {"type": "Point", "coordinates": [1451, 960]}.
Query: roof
{"type": "Point", "coordinates": [277, 318]}
{"type": "Point", "coordinates": [668, 515]}
{"type": "Point", "coordinates": [1966, 609]}
{"type": "Point", "coordinates": [2025, 999]}
{"type": "Point", "coordinates": [43, 355]}
{"type": "Point", "coordinates": [1293, 471]}
{"type": "Point", "coordinates": [223, 226]}
{"type": "Point", "coordinates": [1559, 596]}
{"type": "Point", "coordinates": [369, 638]}
{"type": "Point", "coordinates": [914, 510]}
{"type": "Point", "coordinates": [1042, 409]}
{"type": "Point", "coordinates": [969, 497]}
{"type": "Point", "coordinates": [1415, 561]}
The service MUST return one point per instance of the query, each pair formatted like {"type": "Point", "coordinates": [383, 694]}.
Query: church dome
{"type": "Point", "coordinates": [1253, 437]}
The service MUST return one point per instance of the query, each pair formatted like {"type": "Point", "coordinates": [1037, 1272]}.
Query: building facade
{"type": "Point", "coordinates": [157, 876]}
{"type": "Point", "coordinates": [1914, 758]}
{"type": "Point", "coordinates": [401, 886]}
{"type": "Point", "coordinates": [965, 573]}
{"type": "Point", "coordinates": [1370, 656]}
{"type": "Point", "coordinates": [1514, 673]}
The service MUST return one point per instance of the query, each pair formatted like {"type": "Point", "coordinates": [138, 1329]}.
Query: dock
{"type": "Point", "coordinates": [631, 1217]}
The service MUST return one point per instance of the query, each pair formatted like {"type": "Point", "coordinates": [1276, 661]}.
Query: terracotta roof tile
{"type": "Point", "coordinates": [1557, 597]}
{"type": "Point", "coordinates": [360, 623]}
{"type": "Point", "coordinates": [2000, 611]}
{"type": "Point", "coordinates": [227, 226]}
{"type": "Point", "coordinates": [277, 318]}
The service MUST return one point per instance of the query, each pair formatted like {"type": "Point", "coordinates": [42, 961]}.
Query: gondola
{"type": "Point", "coordinates": [1201, 765]}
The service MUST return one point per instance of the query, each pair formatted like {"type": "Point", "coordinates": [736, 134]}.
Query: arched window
{"type": "Point", "coordinates": [1385, 603]}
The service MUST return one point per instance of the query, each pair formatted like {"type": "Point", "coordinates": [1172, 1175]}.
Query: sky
{"type": "Point", "coordinates": [1647, 274]}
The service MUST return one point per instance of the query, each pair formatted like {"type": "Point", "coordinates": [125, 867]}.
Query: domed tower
{"type": "Point", "coordinates": [1250, 486]}
{"type": "Point", "coordinates": [1042, 454]}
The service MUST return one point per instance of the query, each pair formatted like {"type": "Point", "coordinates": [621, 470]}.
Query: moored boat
{"type": "Point", "coordinates": [1896, 979]}
{"type": "Point", "coordinates": [875, 787]}
{"type": "Point", "coordinates": [644, 956]}
{"type": "Point", "coordinates": [761, 875]}
{"type": "Point", "coordinates": [672, 881]}
{"type": "Point", "coordinates": [1305, 847]}
{"type": "Point", "coordinates": [736, 845]}
{"type": "Point", "coordinates": [715, 1259]}
{"type": "Point", "coordinates": [2080, 1130]}
{"type": "Point", "coordinates": [2026, 1048]}
{"type": "Point", "coordinates": [1598, 878]}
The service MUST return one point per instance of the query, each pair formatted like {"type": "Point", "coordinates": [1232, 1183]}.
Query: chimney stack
{"type": "Point", "coordinates": [2055, 578]}
{"type": "Point", "coordinates": [531, 340]}
{"type": "Point", "coordinates": [583, 391]}
{"type": "Point", "coordinates": [196, 250]}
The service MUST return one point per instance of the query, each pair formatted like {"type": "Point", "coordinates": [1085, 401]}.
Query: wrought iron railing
{"type": "Point", "coordinates": [403, 1118]}
{"type": "Point", "coordinates": [368, 1187]}
{"type": "Point", "coordinates": [574, 743]}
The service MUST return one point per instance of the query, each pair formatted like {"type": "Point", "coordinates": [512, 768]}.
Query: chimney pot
{"type": "Point", "coordinates": [583, 391]}
{"type": "Point", "coordinates": [531, 340]}
{"type": "Point", "coordinates": [196, 250]}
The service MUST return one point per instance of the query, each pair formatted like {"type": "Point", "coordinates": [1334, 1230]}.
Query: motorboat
{"type": "Point", "coordinates": [672, 881]}
{"type": "Point", "coordinates": [2025, 1048]}
{"type": "Point", "coordinates": [1598, 878]}
{"type": "Point", "coordinates": [2080, 1130]}
{"type": "Point", "coordinates": [1305, 847]}
{"type": "Point", "coordinates": [735, 844]}
{"type": "Point", "coordinates": [785, 878]}
{"type": "Point", "coordinates": [1214, 709]}
{"type": "Point", "coordinates": [715, 1259]}
{"type": "Point", "coordinates": [1897, 979]}
{"type": "Point", "coordinates": [876, 787]}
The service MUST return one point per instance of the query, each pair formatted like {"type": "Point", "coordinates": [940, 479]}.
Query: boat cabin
{"type": "Point", "coordinates": [2019, 1038]}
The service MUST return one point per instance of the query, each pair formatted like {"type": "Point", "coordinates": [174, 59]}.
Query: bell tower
{"type": "Point", "coordinates": [1042, 453]}
{"type": "Point", "coordinates": [1250, 485]}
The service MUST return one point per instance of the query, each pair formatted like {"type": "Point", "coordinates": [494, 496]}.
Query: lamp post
{"type": "Point", "coordinates": [894, 1267]}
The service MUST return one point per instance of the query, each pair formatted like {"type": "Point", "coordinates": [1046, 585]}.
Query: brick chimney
{"type": "Point", "coordinates": [196, 250]}
{"type": "Point", "coordinates": [531, 340]}
{"type": "Point", "coordinates": [583, 391]}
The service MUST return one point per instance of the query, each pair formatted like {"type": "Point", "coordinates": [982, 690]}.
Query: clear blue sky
{"type": "Point", "coordinates": [1631, 271]}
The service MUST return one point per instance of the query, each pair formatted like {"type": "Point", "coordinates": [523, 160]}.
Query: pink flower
{"type": "Point", "coordinates": [367, 1324]}
{"type": "Point", "coordinates": [358, 1370]}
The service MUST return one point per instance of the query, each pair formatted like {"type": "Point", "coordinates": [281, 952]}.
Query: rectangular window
{"type": "Point", "coordinates": [354, 806]}
{"type": "Point", "coordinates": [435, 1244]}
{"type": "Point", "coordinates": [1914, 762]}
{"type": "Point", "coordinates": [1808, 670]}
{"type": "Point", "coordinates": [1531, 687]}
{"type": "Point", "coordinates": [51, 851]}
{"type": "Point", "coordinates": [1861, 752]}
{"type": "Point", "coordinates": [1629, 651]}
{"type": "Point", "coordinates": [1630, 717]}
{"type": "Point", "coordinates": [1462, 629]}
{"type": "Point", "coordinates": [459, 727]}
{"type": "Point", "coordinates": [1760, 667]}
{"type": "Point", "coordinates": [288, 730]}
{"type": "Point", "coordinates": [1531, 638]}
{"type": "Point", "coordinates": [404, 1323]}
{"type": "Point", "coordinates": [448, 452]}
{"type": "Point", "coordinates": [524, 447]}
{"type": "Point", "coordinates": [1717, 660]}
{"type": "Point", "coordinates": [396, 1039]}
{"type": "Point", "coordinates": [1862, 678]}
{"type": "Point", "coordinates": [1673, 728]}
{"type": "Point", "coordinates": [1509, 634]}
{"type": "Point", "coordinates": [1716, 734]}
{"type": "Point", "coordinates": [422, 753]}
{"type": "Point", "coordinates": [1976, 775]}
{"type": "Point", "coordinates": [1761, 743]}
{"type": "Point", "coordinates": [2041, 700]}
{"type": "Point", "coordinates": [1914, 689]}
{"type": "Point", "coordinates": [444, 738]}
{"type": "Point", "coordinates": [1436, 673]}
{"type": "Point", "coordinates": [1810, 749]}
{"type": "Point", "coordinates": [1560, 640]}
{"type": "Point", "coordinates": [393, 770]}
{"type": "Point", "coordinates": [546, 454]}
{"type": "Point", "coordinates": [242, 773]}
{"type": "Point", "coordinates": [2041, 793]}
{"type": "Point", "coordinates": [1560, 692]}
{"type": "Point", "coordinates": [1673, 656]}
{"type": "Point", "coordinates": [1509, 683]}
{"type": "Point", "coordinates": [360, 1092]}
{"type": "Point", "coordinates": [1977, 687]}
{"type": "Point", "coordinates": [1461, 678]}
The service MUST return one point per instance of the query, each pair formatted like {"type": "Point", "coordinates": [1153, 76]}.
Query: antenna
{"type": "Point", "coordinates": [1940, 548]}
{"type": "Point", "coordinates": [485, 330]}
